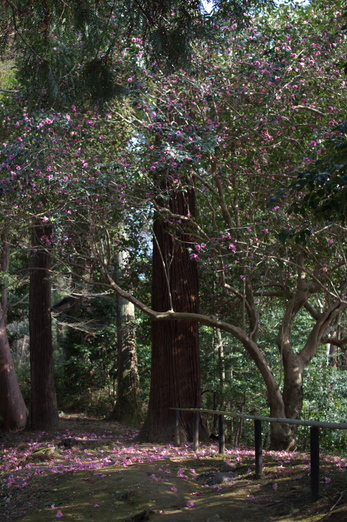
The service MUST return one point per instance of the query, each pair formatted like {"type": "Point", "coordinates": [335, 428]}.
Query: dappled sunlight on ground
{"type": "Point", "coordinates": [96, 470]}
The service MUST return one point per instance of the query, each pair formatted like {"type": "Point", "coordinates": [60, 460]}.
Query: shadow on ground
{"type": "Point", "coordinates": [109, 477]}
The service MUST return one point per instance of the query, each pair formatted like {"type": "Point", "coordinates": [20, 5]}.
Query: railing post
{"type": "Point", "coordinates": [221, 434]}
{"type": "Point", "coordinates": [196, 430]}
{"type": "Point", "coordinates": [258, 449]}
{"type": "Point", "coordinates": [177, 428]}
{"type": "Point", "coordinates": [314, 442]}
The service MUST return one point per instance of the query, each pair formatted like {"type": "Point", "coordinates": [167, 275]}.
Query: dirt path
{"type": "Point", "coordinates": [94, 470]}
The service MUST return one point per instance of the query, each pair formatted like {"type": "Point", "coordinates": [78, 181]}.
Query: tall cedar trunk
{"type": "Point", "coordinates": [13, 411]}
{"type": "Point", "coordinates": [175, 367]}
{"type": "Point", "coordinates": [43, 403]}
{"type": "Point", "coordinates": [126, 407]}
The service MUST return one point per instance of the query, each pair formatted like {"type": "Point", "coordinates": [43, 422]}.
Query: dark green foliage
{"type": "Point", "coordinates": [55, 44]}
{"type": "Point", "coordinates": [88, 345]}
{"type": "Point", "coordinates": [322, 189]}
{"type": "Point", "coordinates": [319, 191]}
{"type": "Point", "coordinates": [99, 79]}
{"type": "Point", "coordinates": [68, 52]}
{"type": "Point", "coordinates": [232, 383]}
{"type": "Point", "coordinates": [173, 45]}
{"type": "Point", "coordinates": [237, 9]}
{"type": "Point", "coordinates": [326, 398]}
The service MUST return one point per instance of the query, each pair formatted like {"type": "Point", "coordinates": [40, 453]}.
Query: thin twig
{"type": "Point", "coordinates": [338, 500]}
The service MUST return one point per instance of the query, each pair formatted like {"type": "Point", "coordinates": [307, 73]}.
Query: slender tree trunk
{"type": "Point", "coordinates": [294, 363]}
{"type": "Point", "coordinates": [43, 403]}
{"type": "Point", "coordinates": [219, 348]}
{"type": "Point", "coordinates": [175, 368]}
{"type": "Point", "coordinates": [281, 433]}
{"type": "Point", "coordinates": [5, 264]}
{"type": "Point", "coordinates": [126, 408]}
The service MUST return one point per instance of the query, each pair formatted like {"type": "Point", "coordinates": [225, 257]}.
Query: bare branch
{"type": "Point", "coordinates": [316, 335]}
{"type": "Point", "coordinates": [11, 91]}
{"type": "Point", "coordinates": [311, 109]}
{"type": "Point", "coordinates": [341, 343]}
{"type": "Point", "coordinates": [312, 311]}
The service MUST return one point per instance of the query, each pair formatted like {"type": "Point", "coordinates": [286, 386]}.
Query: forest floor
{"type": "Point", "coordinates": [95, 470]}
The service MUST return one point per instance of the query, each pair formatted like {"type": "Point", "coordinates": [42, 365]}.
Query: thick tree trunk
{"type": "Point", "coordinates": [282, 435]}
{"type": "Point", "coordinates": [293, 385]}
{"type": "Point", "coordinates": [126, 408]}
{"type": "Point", "coordinates": [175, 369]}
{"type": "Point", "coordinates": [293, 372]}
{"type": "Point", "coordinates": [13, 411]}
{"type": "Point", "coordinates": [43, 403]}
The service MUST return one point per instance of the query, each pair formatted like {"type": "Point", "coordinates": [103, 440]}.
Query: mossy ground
{"type": "Point", "coordinates": [105, 475]}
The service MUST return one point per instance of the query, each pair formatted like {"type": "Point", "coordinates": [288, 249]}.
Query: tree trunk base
{"type": "Point", "coordinates": [283, 437]}
{"type": "Point", "coordinates": [165, 433]}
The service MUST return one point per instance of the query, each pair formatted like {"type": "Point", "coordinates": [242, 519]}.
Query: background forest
{"type": "Point", "coordinates": [173, 186]}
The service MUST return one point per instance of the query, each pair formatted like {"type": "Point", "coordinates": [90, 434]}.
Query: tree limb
{"type": "Point", "coordinates": [316, 335]}
{"type": "Point", "coordinates": [312, 109]}
{"type": "Point", "coordinates": [341, 343]}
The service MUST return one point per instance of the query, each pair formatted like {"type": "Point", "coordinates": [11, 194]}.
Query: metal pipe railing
{"type": "Point", "coordinates": [314, 437]}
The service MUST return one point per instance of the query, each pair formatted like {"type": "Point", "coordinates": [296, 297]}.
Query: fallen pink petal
{"type": "Point", "coordinates": [173, 260]}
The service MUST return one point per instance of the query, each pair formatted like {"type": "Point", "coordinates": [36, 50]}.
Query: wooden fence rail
{"type": "Point", "coordinates": [314, 437]}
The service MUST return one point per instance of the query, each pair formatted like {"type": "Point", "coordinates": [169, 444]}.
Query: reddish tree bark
{"type": "Point", "coordinates": [175, 368]}
{"type": "Point", "coordinates": [43, 403]}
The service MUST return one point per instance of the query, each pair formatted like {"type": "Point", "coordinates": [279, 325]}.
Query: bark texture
{"type": "Point", "coordinates": [175, 368]}
{"type": "Point", "coordinates": [43, 402]}
{"type": "Point", "coordinates": [13, 411]}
